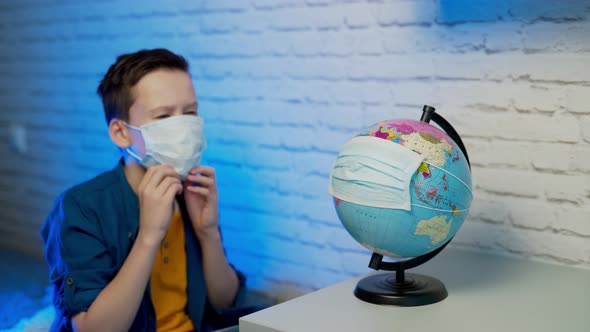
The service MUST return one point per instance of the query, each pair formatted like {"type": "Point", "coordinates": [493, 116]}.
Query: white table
{"type": "Point", "coordinates": [486, 293]}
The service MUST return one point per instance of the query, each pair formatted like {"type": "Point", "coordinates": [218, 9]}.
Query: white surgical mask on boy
{"type": "Point", "coordinates": [177, 141]}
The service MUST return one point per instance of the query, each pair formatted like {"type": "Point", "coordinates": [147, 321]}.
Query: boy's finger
{"type": "Point", "coordinates": [202, 180]}
{"type": "Point", "coordinates": [166, 183]}
{"type": "Point", "coordinates": [204, 170]}
{"type": "Point", "coordinates": [160, 172]}
{"type": "Point", "coordinates": [146, 179]}
{"type": "Point", "coordinates": [199, 190]}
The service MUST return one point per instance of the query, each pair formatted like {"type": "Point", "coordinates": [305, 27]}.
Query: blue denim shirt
{"type": "Point", "coordinates": [89, 234]}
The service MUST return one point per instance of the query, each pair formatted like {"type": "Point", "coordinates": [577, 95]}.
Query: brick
{"type": "Point", "coordinates": [360, 16]}
{"type": "Point", "coordinates": [273, 4]}
{"type": "Point", "coordinates": [545, 36]}
{"type": "Point", "coordinates": [317, 69]}
{"type": "Point", "coordinates": [347, 118]}
{"type": "Point", "coordinates": [392, 67]}
{"type": "Point", "coordinates": [571, 188]}
{"type": "Point", "coordinates": [478, 235]}
{"type": "Point", "coordinates": [488, 210]}
{"type": "Point", "coordinates": [341, 240]}
{"type": "Point", "coordinates": [417, 93]}
{"type": "Point", "coordinates": [538, 66]}
{"type": "Point", "coordinates": [486, 153]}
{"type": "Point", "coordinates": [306, 44]}
{"type": "Point", "coordinates": [313, 162]}
{"type": "Point", "coordinates": [315, 234]}
{"type": "Point", "coordinates": [573, 219]}
{"type": "Point", "coordinates": [269, 159]}
{"type": "Point", "coordinates": [503, 37]}
{"type": "Point", "coordinates": [562, 128]}
{"type": "Point", "coordinates": [332, 141]}
{"type": "Point", "coordinates": [577, 161]}
{"type": "Point", "coordinates": [499, 66]}
{"type": "Point", "coordinates": [407, 12]}
{"type": "Point", "coordinates": [576, 99]}
{"type": "Point", "coordinates": [218, 23]}
{"type": "Point", "coordinates": [551, 10]}
{"type": "Point", "coordinates": [226, 130]}
{"type": "Point", "coordinates": [290, 20]}
{"type": "Point", "coordinates": [239, 112]}
{"type": "Point", "coordinates": [364, 43]}
{"type": "Point", "coordinates": [325, 18]}
{"type": "Point", "coordinates": [253, 201]}
{"type": "Point", "coordinates": [224, 46]}
{"type": "Point", "coordinates": [314, 185]}
{"type": "Point", "coordinates": [459, 66]}
{"type": "Point", "coordinates": [531, 214]}
{"type": "Point", "coordinates": [536, 97]}
{"type": "Point", "coordinates": [460, 38]}
{"type": "Point", "coordinates": [226, 5]}
{"type": "Point", "coordinates": [585, 124]}
{"type": "Point", "coordinates": [510, 182]}
{"type": "Point", "coordinates": [316, 210]}
{"type": "Point", "coordinates": [560, 157]}
{"type": "Point", "coordinates": [314, 44]}
{"type": "Point", "coordinates": [229, 152]}
{"type": "Point", "coordinates": [410, 39]}
{"type": "Point", "coordinates": [453, 12]}
{"type": "Point", "coordinates": [556, 247]}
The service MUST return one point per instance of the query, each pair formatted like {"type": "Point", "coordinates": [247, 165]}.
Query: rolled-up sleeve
{"type": "Point", "coordinates": [80, 265]}
{"type": "Point", "coordinates": [241, 293]}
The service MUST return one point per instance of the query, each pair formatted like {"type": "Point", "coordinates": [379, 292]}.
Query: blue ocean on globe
{"type": "Point", "coordinates": [440, 192]}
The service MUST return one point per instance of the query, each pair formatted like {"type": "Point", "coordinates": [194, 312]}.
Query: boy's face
{"type": "Point", "coordinates": [158, 95]}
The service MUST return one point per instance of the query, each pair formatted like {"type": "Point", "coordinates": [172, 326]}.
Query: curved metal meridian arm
{"type": "Point", "coordinates": [376, 262]}
{"type": "Point", "coordinates": [428, 113]}
{"type": "Point", "coordinates": [446, 126]}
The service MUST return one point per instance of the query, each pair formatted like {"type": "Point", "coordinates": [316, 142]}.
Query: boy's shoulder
{"type": "Point", "coordinates": [90, 198]}
{"type": "Point", "coordinates": [96, 188]}
{"type": "Point", "coordinates": [100, 182]}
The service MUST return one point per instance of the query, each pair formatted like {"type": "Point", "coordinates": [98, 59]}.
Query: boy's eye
{"type": "Point", "coordinates": [162, 116]}
{"type": "Point", "coordinates": [193, 112]}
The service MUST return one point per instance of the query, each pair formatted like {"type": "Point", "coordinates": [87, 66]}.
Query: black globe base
{"type": "Point", "coordinates": [414, 290]}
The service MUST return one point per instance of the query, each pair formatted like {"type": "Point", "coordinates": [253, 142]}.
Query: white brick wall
{"type": "Point", "coordinates": [283, 84]}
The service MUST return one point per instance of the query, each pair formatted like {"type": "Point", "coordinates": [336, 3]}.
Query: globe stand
{"type": "Point", "coordinates": [410, 289]}
{"type": "Point", "coordinates": [399, 288]}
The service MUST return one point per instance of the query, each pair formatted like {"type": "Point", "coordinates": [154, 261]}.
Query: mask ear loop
{"type": "Point", "coordinates": [128, 149]}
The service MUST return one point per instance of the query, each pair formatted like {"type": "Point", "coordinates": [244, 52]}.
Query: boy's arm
{"type": "Point", "coordinates": [201, 199]}
{"type": "Point", "coordinates": [222, 281]}
{"type": "Point", "coordinates": [115, 307]}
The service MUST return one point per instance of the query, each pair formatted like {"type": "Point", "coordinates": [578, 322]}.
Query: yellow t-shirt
{"type": "Point", "coordinates": [168, 281]}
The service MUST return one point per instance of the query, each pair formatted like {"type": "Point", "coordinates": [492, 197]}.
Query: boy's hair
{"type": "Point", "coordinates": [115, 87]}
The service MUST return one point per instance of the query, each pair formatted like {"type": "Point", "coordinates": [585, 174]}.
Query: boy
{"type": "Point", "coordinates": [138, 248]}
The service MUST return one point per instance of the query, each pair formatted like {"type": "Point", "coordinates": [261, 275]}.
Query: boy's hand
{"type": "Point", "coordinates": [201, 201]}
{"type": "Point", "coordinates": [156, 192]}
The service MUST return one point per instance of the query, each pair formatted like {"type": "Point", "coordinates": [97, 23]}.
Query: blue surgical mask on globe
{"type": "Point", "coordinates": [177, 141]}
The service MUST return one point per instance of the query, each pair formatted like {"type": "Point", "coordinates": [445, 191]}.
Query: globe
{"type": "Point", "coordinates": [440, 193]}
{"type": "Point", "coordinates": [440, 197]}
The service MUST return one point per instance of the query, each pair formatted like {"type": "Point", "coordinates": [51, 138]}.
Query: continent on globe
{"type": "Point", "coordinates": [436, 227]}
{"type": "Point", "coordinates": [435, 150]}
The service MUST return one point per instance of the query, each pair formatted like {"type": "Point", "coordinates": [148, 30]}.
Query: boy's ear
{"type": "Point", "coordinates": [119, 134]}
